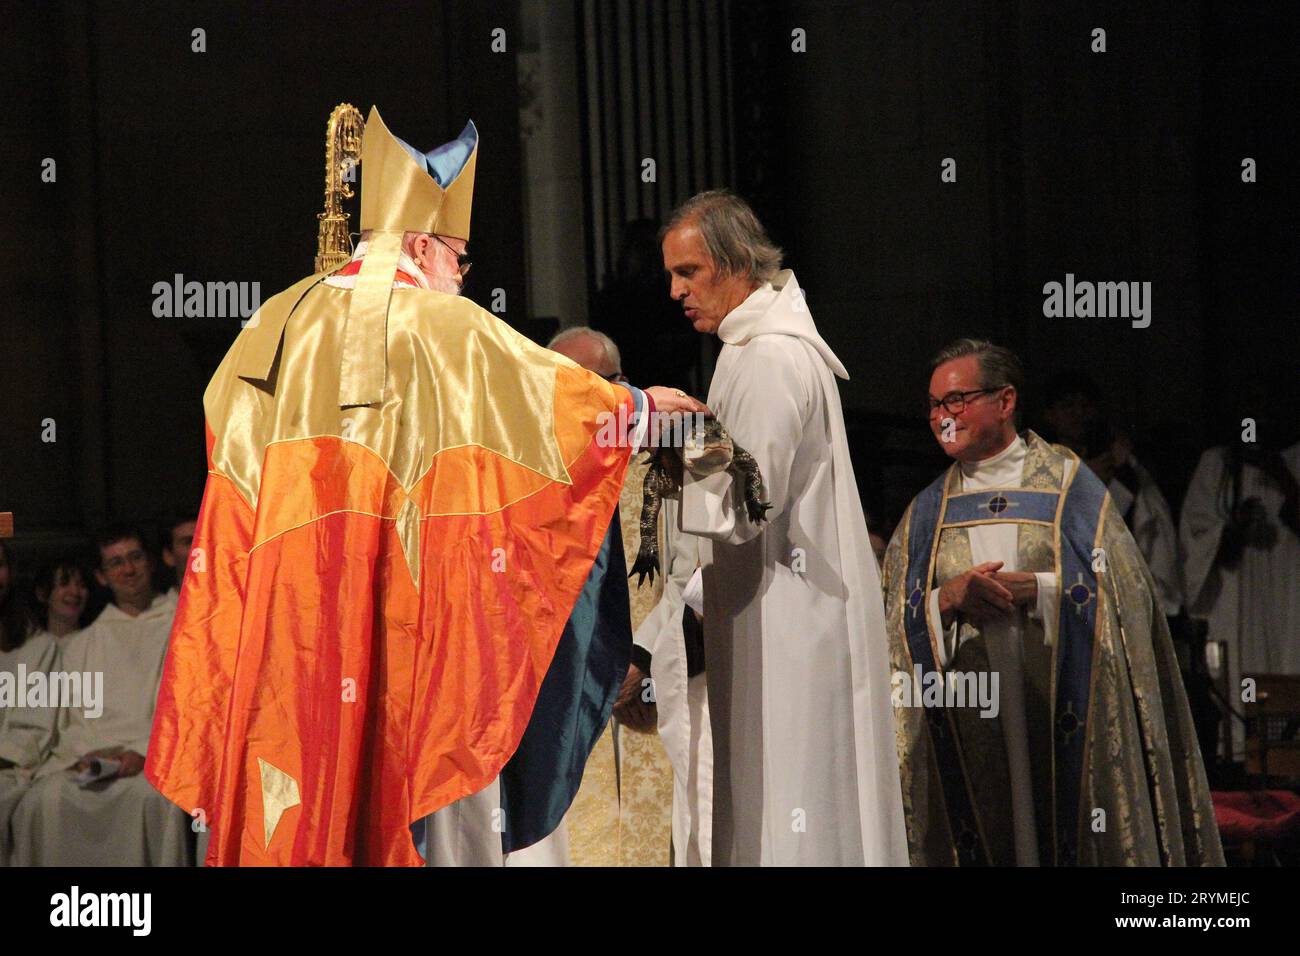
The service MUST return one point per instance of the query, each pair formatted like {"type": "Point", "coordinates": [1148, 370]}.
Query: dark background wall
{"type": "Point", "coordinates": [1114, 166]}
{"type": "Point", "coordinates": [209, 165]}
{"type": "Point", "coordinates": [1123, 165]}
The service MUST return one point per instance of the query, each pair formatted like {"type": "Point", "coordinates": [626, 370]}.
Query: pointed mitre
{"type": "Point", "coordinates": [402, 190]}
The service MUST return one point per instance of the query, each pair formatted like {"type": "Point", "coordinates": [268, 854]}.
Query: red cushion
{"type": "Point", "coordinates": [1257, 814]}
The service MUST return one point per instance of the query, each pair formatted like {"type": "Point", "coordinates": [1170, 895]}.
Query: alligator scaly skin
{"type": "Point", "coordinates": [659, 483]}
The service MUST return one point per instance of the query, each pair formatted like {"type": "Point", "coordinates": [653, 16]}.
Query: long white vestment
{"type": "Point", "coordinates": [681, 701]}
{"type": "Point", "coordinates": [805, 768]}
{"type": "Point", "coordinates": [1152, 524]}
{"type": "Point", "coordinates": [1254, 607]}
{"type": "Point", "coordinates": [119, 822]}
{"type": "Point", "coordinates": [26, 732]}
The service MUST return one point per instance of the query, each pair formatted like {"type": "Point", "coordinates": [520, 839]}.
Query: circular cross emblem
{"type": "Point", "coordinates": [1080, 594]}
{"type": "Point", "coordinates": [1067, 723]}
{"type": "Point", "coordinates": [998, 504]}
{"type": "Point", "coordinates": [915, 599]}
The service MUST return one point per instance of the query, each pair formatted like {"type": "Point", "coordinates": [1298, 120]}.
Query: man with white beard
{"type": "Point", "coordinates": [805, 769]}
{"type": "Point", "coordinates": [405, 499]}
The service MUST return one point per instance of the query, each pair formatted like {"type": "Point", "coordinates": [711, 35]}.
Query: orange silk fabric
{"type": "Point", "coordinates": [304, 642]}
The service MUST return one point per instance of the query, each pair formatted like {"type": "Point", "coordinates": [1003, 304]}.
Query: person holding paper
{"type": "Point", "coordinates": [69, 817]}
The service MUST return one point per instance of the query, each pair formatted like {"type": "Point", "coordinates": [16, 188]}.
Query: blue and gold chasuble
{"type": "Point", "coordinates": [1116, 772]}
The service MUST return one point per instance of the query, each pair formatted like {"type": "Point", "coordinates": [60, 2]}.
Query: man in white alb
{"type": "Point", "coordinates": [804, 766]}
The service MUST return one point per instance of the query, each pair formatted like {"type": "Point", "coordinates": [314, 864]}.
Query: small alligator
{"type": "Point", "coordinates": [705, 452]}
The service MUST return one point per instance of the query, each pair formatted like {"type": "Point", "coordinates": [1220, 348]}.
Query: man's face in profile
{"type": "Point", "coordinates": [705, 296]}
{"type": "Point", "coordinates": [439, 259]}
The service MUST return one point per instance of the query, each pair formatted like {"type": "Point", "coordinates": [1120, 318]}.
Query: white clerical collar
{"type": "Point", "coordinates": [1008, 462]}
{"type": "Point", "coordinates": [754, 307]}
{"type": "Point", "coordinates": [111, 610]}
{"type": "Point", "coordinates": [404, 264]}
{"type": "Point", "coordinates": [777, 307]}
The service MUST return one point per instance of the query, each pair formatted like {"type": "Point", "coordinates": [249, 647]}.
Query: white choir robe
{"type": "Point", "coordinates": [1004, 636]}
{"type": "Point", "coordinates": [805, 770]}
{"type": "Point", "coordinates": [681, 701]}
{"type": "Point", "coordinates": [27, 732]}
{"type": "Point", "coordinates": [120, 822]}
{"type": "Point", "coordinates": [1152, 524]}
{"type": "Point", "coordinates": [1254, 607]}
{"type": "Point", "coordinates": [468, 833]}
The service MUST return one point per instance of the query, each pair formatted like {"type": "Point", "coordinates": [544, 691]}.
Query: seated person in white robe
{"type": "Point", "coordinates": [25, 731]}
{"type": "Point", "coordinates": [120, 820]}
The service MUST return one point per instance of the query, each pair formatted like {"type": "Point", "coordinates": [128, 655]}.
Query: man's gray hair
{"type": "Point", "coordinates": [612, 355]}
{"type": "Point", "coordinates": [998, 365]}
{"type": "Point", "coordinates": [733, 237]}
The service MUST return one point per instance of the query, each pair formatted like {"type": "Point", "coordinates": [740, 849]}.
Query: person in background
{"type": "Point", "coordinates": [26, 732]}
{"type": "Point", "coordinates": [624, 811]}
{"type": "Point", "coordinates": [60, 595]}
{"type": "Point", "coordinates": [1240, 538]}
{"type": "Point", "coordinates": [1075, 416]}
{"type": "Point", "coordinates": [177, 541]}
{"type": "Point", "coordinates": [66, 818]}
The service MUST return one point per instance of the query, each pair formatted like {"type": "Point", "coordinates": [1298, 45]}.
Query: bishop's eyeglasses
{"type": "Point", "coordinates": [954, 403]}
{"type": "Point", "coordinates": [462, 258]}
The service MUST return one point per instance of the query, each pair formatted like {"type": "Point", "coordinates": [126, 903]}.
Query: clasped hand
{"type": "Point", "coordinates": [984, 593]}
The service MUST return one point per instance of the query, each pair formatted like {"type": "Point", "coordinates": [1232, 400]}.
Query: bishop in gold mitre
{"type": "Point", "coordinates": [401, 573]}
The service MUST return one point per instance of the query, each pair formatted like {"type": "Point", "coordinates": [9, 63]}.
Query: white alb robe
{"type": "Point", "coordinates": [681, 701]}
{"type": "Point", "coordinates": [119, 822]}
{"type": "Point", "coordinates": [27, 732]}
{"type": "Point", "coordinates": [1152, 524]}
{"type": "Point", "coordinates": [1255, 607]}
{"type": "Point", "coordinates": [805, 768]}
{"type": "Point", "coordinates": [468, 833]}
